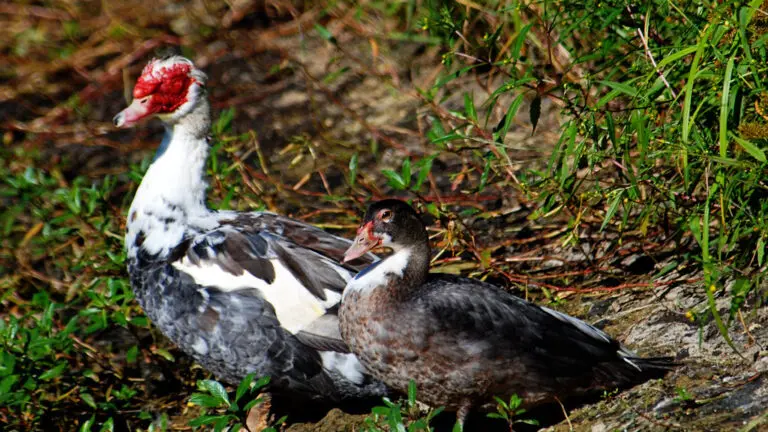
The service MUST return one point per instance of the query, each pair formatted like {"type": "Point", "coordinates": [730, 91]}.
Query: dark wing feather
{"type": "Point", "coordinates": [469, 311]}
{"type": "Point", "coordinates": [316, 272]}
{"type": "Point", "coordinates": [250, 241]}
{"type": "Point", "coordinates": [230, 333]}
{"type": "Point", "coordinates": [304, 235]}
{"type": "Point", "coordinates": [323, 334]}
{"type": "Point", "coordinates": [256, 243]}
{"type": "Point", "coordinates": [234, 251]}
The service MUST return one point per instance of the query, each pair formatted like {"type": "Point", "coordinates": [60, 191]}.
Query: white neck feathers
{"type": "Point", "coordinates": [378, 273]}
{"type": "Point", "coordinates": [171, 195]}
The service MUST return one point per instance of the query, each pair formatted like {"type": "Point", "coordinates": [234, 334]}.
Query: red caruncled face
{"type": "Point", "coordinates": [167, 86]}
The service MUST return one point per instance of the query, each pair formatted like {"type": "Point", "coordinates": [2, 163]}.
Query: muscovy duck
{"type": "Point", "coordinates": [464, 341]}
{"type": "Point", "coordinates": [239, 292]}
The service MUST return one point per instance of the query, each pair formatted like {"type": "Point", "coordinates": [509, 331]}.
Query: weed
{"type": "Point", "coordinates": [227, 412]}
{"type": "Point", "coordinates": [402, 416]}
{"type": "Point", "coordinates": [659, 122]}
{"type": "Point", "coordinates": [511, 411]}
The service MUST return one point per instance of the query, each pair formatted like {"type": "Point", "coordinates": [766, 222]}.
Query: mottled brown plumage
{"type": "Point", "coordinates": [464, 341]}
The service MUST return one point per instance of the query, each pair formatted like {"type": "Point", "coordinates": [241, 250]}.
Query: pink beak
{"type": "Point", "coordinates": [137, 110]}
{"type": "Point", "coordinates": [364, 242]}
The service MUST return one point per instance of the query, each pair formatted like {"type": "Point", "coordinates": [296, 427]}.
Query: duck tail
{"type": "Point", "coordinates": [645, 368]}
{"type": "Point", "coordinates": [655, 363]}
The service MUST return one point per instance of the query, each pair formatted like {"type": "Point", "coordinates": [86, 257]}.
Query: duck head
{"type": "Point", "coordinates": [389, 223]}
{"type": "Point", "coordinates": [168, 88]}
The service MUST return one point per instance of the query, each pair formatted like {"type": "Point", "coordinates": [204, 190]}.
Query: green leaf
{"type": "Point", "coordinates": [486, 172]}
{"type": "Point", "coordinates": [326, 34]}
{"type": "Point", "coordinates": [335, 74]}
{"type": "Point", "coordinates": [244, 386]}
{"type": "Point", "coordinates": [503, 127]}
{"type": "Point", "coordinates": [132, 354]}
{"type": "Point", "coordinates": [109, 425]}
{"type": "Point", "coordinates": [88, 424]}
{"type": "Point", "coordinates": [53, 372]}
{"type": "Point", "coordinates": [88, 399]}
{"type": "Point", "coordinates": [627, 89]}
{"type": "Point", "coordinates": [457, 427]}
{"type": "Point", "coordinates": [425, 167]}
{"type": "Point", "coordinates": [394, 179]}
{"type": "Point", "coordinates": [445, 79]}
{"type": "Point", "coordinates": [519, 41]}
{"type": "Point", "coordinates": [7, 383]}
{"type": "Point", "coordinates": [750, 148]}
{"type": "Point", "coordinates": [411, 392]}
{"type": "Point", "coordinates": [469, 107]}
{"type": "Point", "coordinates": [262, 382]}
{"type": "Point", "coordinates": [691, 78]}
{"type": "Point", "coordinates": [760, 251]}
{"type": "Point", "coordinates": [395, 419]}
{"type": "Point", "coordinates": [214, 388]}
{"type": "Point", "coordinates": [223, 123]}
{"type": "Point", "coordinates": [353, 170]}
{"type": "Point", "coordinates": [207, 420]}
{"type": "Point", "coordinates": [724, 108]}
{"type": "Point", "coordinates": [253, 403]}
{"type": "Point", "coordinates": [405, 171]}
{"type": "Point", "coordinates": [612, 209]}
{"type": "Point", "coordinates": [204, 400]}
{"type": "Point", "coordinates": [671, 58]}
{"type": "Point", "coordinates": [162, 352]}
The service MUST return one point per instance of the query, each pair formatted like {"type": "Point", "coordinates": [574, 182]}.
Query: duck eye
{"type": "Point", "coordinates": [144, 101]}
{"type": "Point", "coordinates": [385, 216]}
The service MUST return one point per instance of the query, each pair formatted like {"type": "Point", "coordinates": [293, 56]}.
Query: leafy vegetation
{"type": "Point", "coordinates": [662, 106]}
{"type": "Point", "coordinates": [624, 129]}
{"type": "Point", "coordinates": [402, 416]}
{"type": "Point", "coordinates": [230, 413]}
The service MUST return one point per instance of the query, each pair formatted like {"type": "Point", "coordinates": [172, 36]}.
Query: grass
{"type": "Point", "coordinates": [639, 130]}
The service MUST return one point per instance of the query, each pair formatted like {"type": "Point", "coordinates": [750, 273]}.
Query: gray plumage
{"type": "Point", "coordinates": [235, 333]}
{"type": "Point", "coordinates": [239, 292]}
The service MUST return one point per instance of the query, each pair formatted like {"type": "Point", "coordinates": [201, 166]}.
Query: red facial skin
{"type": "Point", "coordinates": [158, 91]}
{"type": "Point", "coordinates": [168, 86]}
{"type": "Point", "coordinates": [364, 242]}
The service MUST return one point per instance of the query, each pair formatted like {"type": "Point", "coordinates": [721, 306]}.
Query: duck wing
{"type": "Point", "coordinates": [487, 323]}
{"type": "Point", "coordinates": [289, 264]}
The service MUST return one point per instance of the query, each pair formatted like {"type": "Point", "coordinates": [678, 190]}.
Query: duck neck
{"type": "Point", "coordinates": [172, 194]}
{"type": "Point", "coordinates": [395, 277]}
{"type": "Point", "coordinates": [415, 268]}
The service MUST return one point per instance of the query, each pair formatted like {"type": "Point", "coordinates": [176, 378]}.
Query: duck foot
{"type": "Point", "coordinates": [461, 414]}
{"type": "Point", "coordinates": [259, 417]}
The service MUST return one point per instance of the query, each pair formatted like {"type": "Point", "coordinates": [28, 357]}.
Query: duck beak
{"type": "Point", "coordinates": [137, 110]}
{"type": "Point", "coordinates": [364, 242]}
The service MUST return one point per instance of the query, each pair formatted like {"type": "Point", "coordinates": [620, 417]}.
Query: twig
{"type": "Point", "coordinates": [650, 55]}
{"type": "Point", "coordinates": [565, 413]}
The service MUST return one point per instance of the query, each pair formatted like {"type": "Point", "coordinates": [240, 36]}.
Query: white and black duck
{"type": "Point", "coordinates": [464, 341]}
{"type": "Point", "coordinates": [239, 292]}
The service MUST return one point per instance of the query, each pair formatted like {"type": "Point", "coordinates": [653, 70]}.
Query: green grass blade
{"type": "Point", "coordinates": [750, 148]}
{"type": "Point", "coordinates": [724, 109]}
{"type": "Point", "coordinates": [691, 78]}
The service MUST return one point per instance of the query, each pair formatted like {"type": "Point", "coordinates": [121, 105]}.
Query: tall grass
{"type": "Point", "coordinates": [664, 125]}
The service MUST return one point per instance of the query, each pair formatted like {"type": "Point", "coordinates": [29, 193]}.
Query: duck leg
{"type": "Point", "coordinates": [462, 412]}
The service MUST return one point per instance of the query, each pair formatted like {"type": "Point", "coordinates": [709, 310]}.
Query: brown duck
{"type": "Point", "coordinates": [464, 341]}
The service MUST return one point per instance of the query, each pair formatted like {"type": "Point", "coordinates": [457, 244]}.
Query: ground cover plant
{"type": "Point", "coordinates": [604, 158]}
